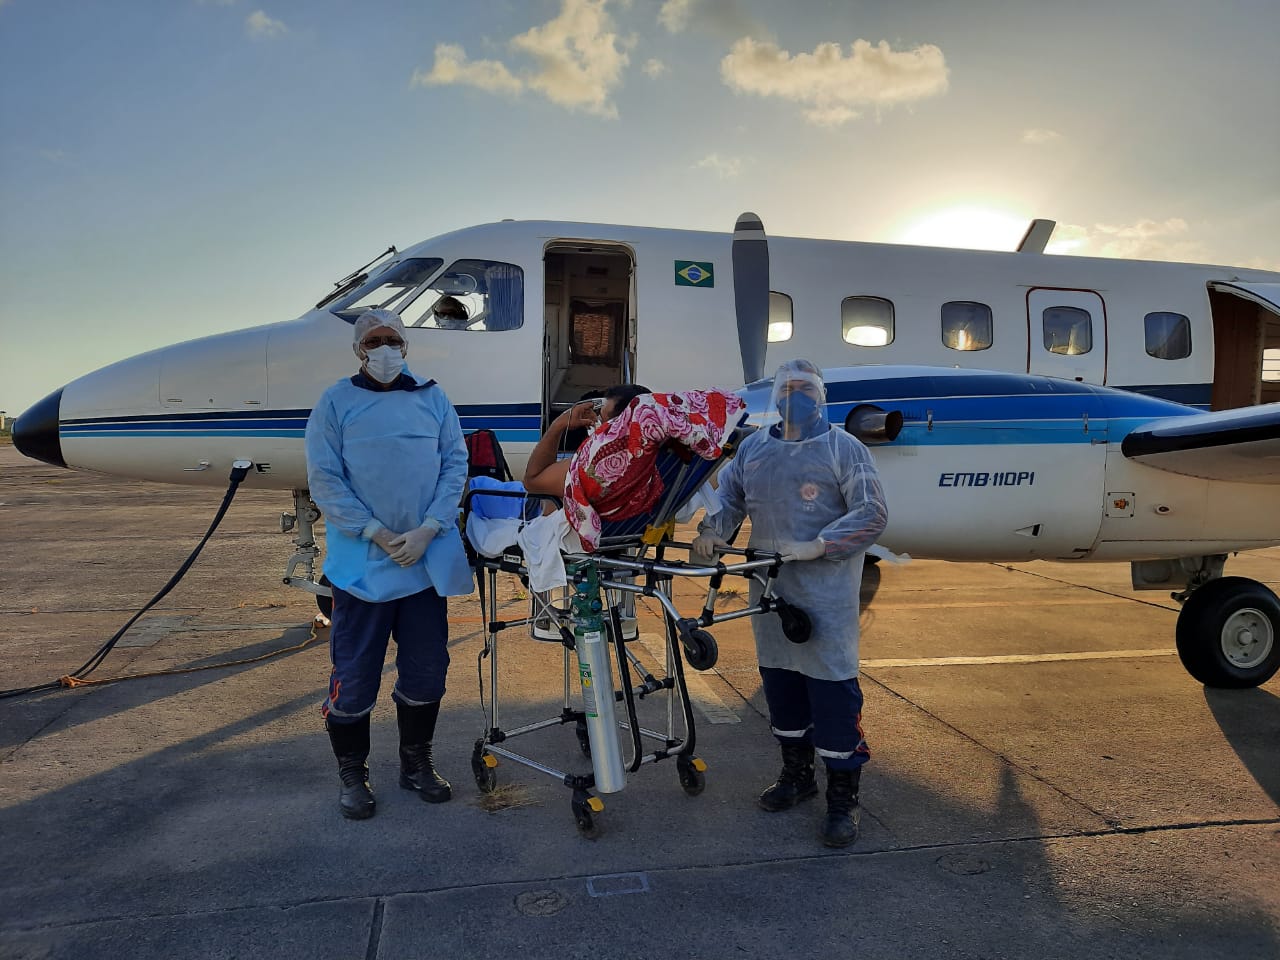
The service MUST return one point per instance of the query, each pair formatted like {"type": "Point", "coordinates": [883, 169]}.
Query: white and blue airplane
{"type": "Point", "coordinates": [1019, 406]}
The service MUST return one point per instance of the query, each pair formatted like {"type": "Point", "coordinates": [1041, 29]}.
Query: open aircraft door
{"type": "Point", "coordinates": [1066, 334]}
{"type": "Point", "coordinates": [1246, 343]}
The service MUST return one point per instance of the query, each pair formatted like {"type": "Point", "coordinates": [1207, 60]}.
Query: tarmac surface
{"type": "Point", "coordinates": [1046, 781]}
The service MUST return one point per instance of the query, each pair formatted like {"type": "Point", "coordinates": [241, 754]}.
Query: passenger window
{"type": "Point", "coordinates": [866, 321]}
{"type": "Point", "coordinates": [1067, 331]}
{"type": "Point", "coordinates": [966, 325]}
{"type": "Point", "coordinates": [1271, 364]}
{"type": "Point", "coordinates": [471, 295]}
{"type": "Point", "coordinates": [1168, 335]}
{"type": "Point", "coordinates": [391, 289]}
{"type": "Point", "coordinates": [780, 317]}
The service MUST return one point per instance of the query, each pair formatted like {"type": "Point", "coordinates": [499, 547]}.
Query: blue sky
{"type": "Point", "coordinates": [173, 168]}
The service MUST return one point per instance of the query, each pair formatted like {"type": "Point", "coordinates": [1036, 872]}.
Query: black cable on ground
{"type": "Point", "coordinates": [239, 471]}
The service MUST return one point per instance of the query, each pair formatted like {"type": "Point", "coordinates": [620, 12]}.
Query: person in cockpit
{"type": "Point", "coordinates": [450, 314]}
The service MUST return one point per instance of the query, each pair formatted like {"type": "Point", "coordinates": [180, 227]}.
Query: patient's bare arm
{"type": "Point", "coordinates": [543, 473]}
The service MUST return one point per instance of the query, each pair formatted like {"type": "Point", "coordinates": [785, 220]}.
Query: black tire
{"type": "Point", "coordinates": [796, 624]}
{"type": "Point", "coordinates": [485, 775]}
{"type": "Point", "coordinates": [325, 603]}
{"type": "Point", "coordinates": [588, 826]}
{"type": "Point", "coordinates": [692, 780]}
{"type": "Point", "coordinates": [700, 650]}
{"type": "Point", "coordinates": [1228, 633]}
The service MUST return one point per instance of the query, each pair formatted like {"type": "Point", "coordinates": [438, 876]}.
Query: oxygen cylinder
{"type": "Point", "coordinates": [596, 676]}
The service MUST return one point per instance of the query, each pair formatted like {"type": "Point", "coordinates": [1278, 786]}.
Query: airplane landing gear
{"type": "Point", "coordinates": [305, 514]}
{"type": "Point", "coordinates": [1228, 633]}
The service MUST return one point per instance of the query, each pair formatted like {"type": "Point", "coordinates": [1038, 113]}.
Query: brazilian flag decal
{"type": "Point", "coordinates": [693, 273]}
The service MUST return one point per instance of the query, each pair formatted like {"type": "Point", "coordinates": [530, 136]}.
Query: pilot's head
{"type": "Point", "coordinates": [379, 342]}
{"type": "Point", "coordinates": [450, 313]}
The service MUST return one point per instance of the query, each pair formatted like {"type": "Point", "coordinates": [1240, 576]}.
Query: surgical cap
{"type": "Point", "coordinates": [372, 319]}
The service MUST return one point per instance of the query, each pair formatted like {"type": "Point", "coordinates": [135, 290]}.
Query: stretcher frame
{"type": "Point", "coordinates": [623, 568]}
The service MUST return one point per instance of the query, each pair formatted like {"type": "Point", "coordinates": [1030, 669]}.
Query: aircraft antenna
{"type": "Point", "coordinates": [1037, 236]}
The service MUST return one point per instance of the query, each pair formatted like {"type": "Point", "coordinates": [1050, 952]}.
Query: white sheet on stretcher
{"type": "Point", "coordinates": [542, 540]}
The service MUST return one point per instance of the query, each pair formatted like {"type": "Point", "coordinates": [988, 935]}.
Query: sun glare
{"type": "Point", "coordinates": [975, 228]}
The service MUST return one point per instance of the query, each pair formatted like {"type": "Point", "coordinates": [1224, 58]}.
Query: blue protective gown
{"type": "Point", "coordinates": [395, 459]}
{"type": "Point", "coordinates": [794, 491]}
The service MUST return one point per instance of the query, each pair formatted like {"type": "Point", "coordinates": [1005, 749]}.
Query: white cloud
{"type": "Point", "coordinates": [1143, 240]}
{"type": "Point", "coordinates": [1038, 136]}
{"type": "Point", "coordinates": [53, 155]}
{"type": "Point", "coordinates": [722, 167]}
{"type": "Point", "coordinates": [262, 27]}
{"type": "Point", "coordinates": [579, 61]}
{"type": "Point", "coordinates": [832, 86]}
{"type": "Point", "coordinates": [654, 67]}
{"type": "Point", "coordinates": [578, 57]}
{"type": "Point", "coordinates": [452, 66]}
{"type": "Point", "coordinates": [674, 14]}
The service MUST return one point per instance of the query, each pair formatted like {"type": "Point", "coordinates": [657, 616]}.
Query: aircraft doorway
{"type": "Point", "coordinates": [589, 317]}
{"type": "Point", "coordinates": [1246, 343]}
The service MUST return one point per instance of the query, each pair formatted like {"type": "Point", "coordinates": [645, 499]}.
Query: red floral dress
{"type": "Point", "coordinates": [614, 474]}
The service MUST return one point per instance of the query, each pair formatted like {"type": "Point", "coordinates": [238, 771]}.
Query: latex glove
{"type": "Point", "coordinates": [706, 549]}
{"type": "Point", "coordinates": [807, 550]}
{"type": "Point", "coordinates": [408, 548]}
{"type": "Point", "coordinates": [384, 537]}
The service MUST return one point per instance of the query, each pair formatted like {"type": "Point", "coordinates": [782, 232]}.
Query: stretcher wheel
{"type": "Point", "coordinates": [584, 741]}
{"type": "Point", "coordinates": [692, 779]}
{"type": "Point", "coordinates": [700, 650]}
{"type": "Point", "coordinates": [584, 816]}
{"type": "Point", "coordinates": [795, 622]}
{"type": "Point", "coordinates": [486, 776]}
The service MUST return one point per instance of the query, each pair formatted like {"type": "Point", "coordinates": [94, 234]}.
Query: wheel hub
{"type": "Point", "coordinates": [1247, 638]}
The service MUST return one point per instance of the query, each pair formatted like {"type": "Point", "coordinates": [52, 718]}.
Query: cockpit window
{"type": "Point", "coordinates": [392, 289]}
{"type": "Point", "coordinates": [470, 295]}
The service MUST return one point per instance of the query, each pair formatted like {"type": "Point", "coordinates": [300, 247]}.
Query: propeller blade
{"type": "Point", "coordinates": [751, 293]}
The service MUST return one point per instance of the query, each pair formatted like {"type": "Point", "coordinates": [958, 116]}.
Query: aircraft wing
{"type": "Point", "coordinates": [1241, 445]}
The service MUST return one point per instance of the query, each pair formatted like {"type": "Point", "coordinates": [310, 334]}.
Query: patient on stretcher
{"type": "Point", "coordinates": [615, 476]}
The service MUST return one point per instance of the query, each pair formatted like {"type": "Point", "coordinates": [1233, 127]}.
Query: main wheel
{"type": "Point", "coordinates": [1228, 633]}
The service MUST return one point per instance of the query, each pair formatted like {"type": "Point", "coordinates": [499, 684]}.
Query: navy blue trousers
{"type": "Point", "coordinates": [358, 646]}
{"type": "Point", "coordinates": [826, 713]}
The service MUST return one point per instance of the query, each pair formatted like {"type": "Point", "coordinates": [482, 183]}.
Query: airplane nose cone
{"type": "Point", "coordinates": [35, 433]}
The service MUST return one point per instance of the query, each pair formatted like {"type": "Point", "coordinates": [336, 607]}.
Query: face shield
{"type": "Point", "coordinates": [799, 396]}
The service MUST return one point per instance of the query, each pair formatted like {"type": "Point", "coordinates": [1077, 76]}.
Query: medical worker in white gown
{"type": "Point", "coordinates": [811, 492]}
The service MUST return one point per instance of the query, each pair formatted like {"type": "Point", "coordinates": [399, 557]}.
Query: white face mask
{"type": "Point", "coordinates": [384, 363]}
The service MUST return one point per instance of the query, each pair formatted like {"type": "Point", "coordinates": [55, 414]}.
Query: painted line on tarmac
{"type": "Point", "coordinates": [1015, 658]}
{"type": "Point", "coordinates": [700, 693]}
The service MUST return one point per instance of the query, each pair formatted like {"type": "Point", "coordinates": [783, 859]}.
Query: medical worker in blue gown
{"type": "Point", "coordinates": [812, 492]}
{"type": "Point", "coordinates": [387, 466]}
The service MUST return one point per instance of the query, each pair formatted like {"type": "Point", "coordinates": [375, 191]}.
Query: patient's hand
{"type": "Point", "coordinates": [581, 416]}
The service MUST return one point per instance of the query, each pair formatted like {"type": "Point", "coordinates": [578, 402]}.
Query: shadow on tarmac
{"type": "Point", "coordinates": [221, 822]}
{"type": "Point", "coordinates": [1250, 721]}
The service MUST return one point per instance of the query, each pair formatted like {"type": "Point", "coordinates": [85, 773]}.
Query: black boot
{"type": "Point", "coordinates": [840, 828]}
{"type": "Point", "coordinates": [796, 781]}
{"type": "Point", "coordinates": [417, 727]}
{"type": "Point", "coordinates": [351, 746]}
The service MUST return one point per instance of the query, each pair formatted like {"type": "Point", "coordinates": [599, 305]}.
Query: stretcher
{"type": "Point", "coordinates": [637, 558]}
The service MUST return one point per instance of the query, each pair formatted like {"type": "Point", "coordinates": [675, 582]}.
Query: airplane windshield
{"type": "Point", "coordinates": [393, 289]}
